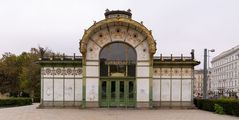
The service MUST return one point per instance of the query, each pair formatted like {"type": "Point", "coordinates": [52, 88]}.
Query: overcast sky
{"type": "Point", "coordinates": [178, 25]}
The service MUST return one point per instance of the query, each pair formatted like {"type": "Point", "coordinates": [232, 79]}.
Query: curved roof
{"type": "Point", "coordinates": [128, 13]}
{"type": "Point", "coordinates": [120, 21]}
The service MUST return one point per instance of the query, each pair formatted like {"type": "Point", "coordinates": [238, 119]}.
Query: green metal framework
{"type": "Point", "coordinates": [117, 92]}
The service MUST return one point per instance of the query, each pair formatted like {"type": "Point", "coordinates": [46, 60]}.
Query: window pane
{"type": "Point", "coordinates": [131, 89]}
{"type": "Point", "coordinates": [117, 57]}
{"type": "Point", "coordinates": [103, 94]}
{"type": "Point", "coordinates": [131, 70]}
{"type": "Point", "coordinates": [121, 90]}
{"type": "Point", "coordinates": [113, 89]}
{"type": "Point", "coordinates": [103, 68]}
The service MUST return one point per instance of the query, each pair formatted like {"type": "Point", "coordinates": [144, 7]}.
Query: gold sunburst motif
{"type": "Point", "coordinates": [48, 71]}
{"type": "Point", "coordinates": [157, 72]}
{"type": "Point", "coordinates": [58, 71]}
{"type": "Point", "coordinates": [187, 72]}
{"type": "Point", "coordinates": [88, 33]}
{"type": "Point", "coordinates": [69, 71]}
{"type": "Point", "coordinates": [117, 33]}
{"type": "Point", "coordinates": [166, 72]}
{"type": "Point", "coordinates": [176, 72]}
{"type": "Point", "coordinates": [63, 72]}
{"type": "Point", "coordinates": [79, 71]}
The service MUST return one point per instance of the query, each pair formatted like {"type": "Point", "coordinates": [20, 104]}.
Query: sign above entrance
{"type": "Point", "coordinates": [119, 62]}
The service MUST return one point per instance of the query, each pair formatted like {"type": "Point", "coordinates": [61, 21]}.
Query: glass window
{"type": "Point", "coordinates": [117, 59]}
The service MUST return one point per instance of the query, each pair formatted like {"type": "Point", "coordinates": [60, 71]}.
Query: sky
{"type": "Point", "coordinates": [177, 25]}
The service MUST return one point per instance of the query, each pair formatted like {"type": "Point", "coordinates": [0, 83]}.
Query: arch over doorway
{"type": "Point", "coordinates": [132, 24]}
{"type": "Point", "coordinates": [117, 75]}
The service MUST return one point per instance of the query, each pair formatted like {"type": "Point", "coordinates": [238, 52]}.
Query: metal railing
{"type": "Point", "coordinates": [60, 57]}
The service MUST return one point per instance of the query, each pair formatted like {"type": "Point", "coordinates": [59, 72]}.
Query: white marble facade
{"type": "Point", "coordinates": [172, 84]}
{"type": "Point", "coordinates": [61, 84]}
{"type": "Point", "coordinates": [117, 34]}
{"type": "Point", "coordinates": [64, 85]}
{"type": "Point", "coordinates": [168, 84]}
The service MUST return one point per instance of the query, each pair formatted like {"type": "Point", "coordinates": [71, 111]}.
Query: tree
{"type": "Point", "coordinates": [21, 73]}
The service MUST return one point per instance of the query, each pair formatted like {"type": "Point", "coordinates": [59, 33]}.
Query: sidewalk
{"type": "Point", "coordinates": [31, 113]}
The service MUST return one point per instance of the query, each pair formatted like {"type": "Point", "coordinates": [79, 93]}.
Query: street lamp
{"type": "Point", "coordinates": [212, 50]}
{"type": "Point", "coordinates": [205, 71]}
{"type": "Point", "coordinates": [209, 70]}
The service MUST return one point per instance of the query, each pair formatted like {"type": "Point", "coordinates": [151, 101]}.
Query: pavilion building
{"type": "Point", "coordinates": [117, 69]}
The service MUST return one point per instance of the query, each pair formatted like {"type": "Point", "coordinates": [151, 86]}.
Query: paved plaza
{"type": "Point", "coordinates": [31, 113]}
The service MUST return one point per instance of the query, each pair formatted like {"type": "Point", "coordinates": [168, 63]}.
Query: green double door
{"type": "Point", "coordinates": [117, 93]}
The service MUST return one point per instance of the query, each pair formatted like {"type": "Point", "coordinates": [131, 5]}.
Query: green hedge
{"type": "Point", "coordinates": [230, 106]}
{"type": "Point", "coordinates": [36, 99]}
{"type": "Point", "coordinates": [9, 102]}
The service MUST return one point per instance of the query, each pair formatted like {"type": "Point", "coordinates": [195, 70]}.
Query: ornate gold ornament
{"type": "Point", "coordinates": [104, 23]}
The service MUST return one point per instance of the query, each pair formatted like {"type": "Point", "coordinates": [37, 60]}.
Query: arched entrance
{"type": "Point", "coordinates": [117, 75]}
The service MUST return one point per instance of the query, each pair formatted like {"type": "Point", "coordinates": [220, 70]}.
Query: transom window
{"type": "Point", "coordinates": [117, 59]}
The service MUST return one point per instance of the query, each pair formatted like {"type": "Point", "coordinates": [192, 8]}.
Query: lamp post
{"type": "Point", "coordinates": [209, 71]}
{"type": "Point", "coordinates": [212, 50]}
{"type": "Point", "coordinates": [205, 71]}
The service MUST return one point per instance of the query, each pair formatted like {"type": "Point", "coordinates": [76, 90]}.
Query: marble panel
{"type": "Point", "coordinates": [69, 89]}
{"type": "Point", "coordinates": [142, 51]}
{"type": "Point", "coordinates": [156, 90]}
{"type": "Point", "coordinates": [48, 89]}
{"type": "Point", "coordinates": [165, 91]}
{"type": "Point", "coordinates": [142, 71]}
{"type": "Point", "coordinates": [58, 89]}
{"type": "Point", "coordinates": [92, 51]}
{"type": "Point", "coordinates": [176, 90]}
{"type": "Point", "coordinates": [142, 90]}
{"type": "Point", "coordinates": [186, 90]}
{"type": "Point", "coordinates": [92, 71]}
{"type": "Point", "coordinates": [92, 89]}
{"type": "Point", "coordinates": [78, 89]}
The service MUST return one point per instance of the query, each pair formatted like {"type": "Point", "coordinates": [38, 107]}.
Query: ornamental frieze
{"type": "Point", "coordinates": [167, 72]}
{"type": "Point", "coordinates": [61, 71]}
{"type": "Point", "coordinates": [186, 71]}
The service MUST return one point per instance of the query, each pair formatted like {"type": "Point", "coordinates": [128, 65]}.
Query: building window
{"type": "Point", "coordinates": [118, 59]}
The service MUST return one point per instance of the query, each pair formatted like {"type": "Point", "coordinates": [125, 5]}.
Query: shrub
{"type": "Point", "coordinates": [9, 102]}
{"type": "Point", "coordinates": [36, 99]}
{"type": "Point", "coordinates": [218, 109]}
{"type": "Point", "coordinates": [229, 106]}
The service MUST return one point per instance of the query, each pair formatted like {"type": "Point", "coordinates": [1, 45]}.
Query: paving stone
{"type": "Point", "coordinates": [31, 113]}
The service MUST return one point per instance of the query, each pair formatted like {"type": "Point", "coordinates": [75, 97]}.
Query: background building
{"type": "Point", "coordinates": [198, 83]}
{"type": "Point", "coordinates": [225, 73]}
